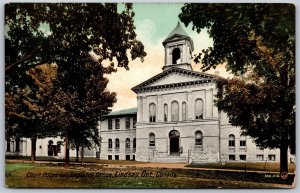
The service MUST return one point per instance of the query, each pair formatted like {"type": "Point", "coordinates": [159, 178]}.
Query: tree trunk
{"type": "Point", "coordinates": [283, 158]}
{"type": "Point", "coordinates": [82, 154]}
{"type": "Point", "coordinates": [77, 153]}
{"type": "Point", "coordinates": [33, 149]}
{"type": "Point", "coordinates": [67, 152]}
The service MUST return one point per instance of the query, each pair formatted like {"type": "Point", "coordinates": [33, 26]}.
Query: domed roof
{"type": "Point", "coordinates": [178, 30]}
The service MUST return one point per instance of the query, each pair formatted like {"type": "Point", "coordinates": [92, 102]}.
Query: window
{"type": "Point", "coordinates": [231, 141]}
{"type": "Point", "coordinates": [134, 142]}
{"type": "Point", "coordinates": [59, 143]}
{"type": "Point", "coordinates": [117, 122]}
{"type": "Point", "coordinates": [116, 157]}
{"type": "Point", "coordinates": [127, 121]}
{"type": "Point", "coordinates": [243, 157]}
{"type": "Point", "coordinates": [232, 157]}
{"type": "Point", "coordinates": [127, 143]}
{"type": "Point", "coordinates": [109, 157]}
{"type": "Point", "coordinates": [152, 112]}
{"type": "Point", "coordinates": [134, 122]}
{"type": "Point", "coordinates": [165, 112]}
{"type": "Point", "coordinates": [117, 143]}
{"type": "Point", "coordinates": [176, 56]}
{"type": "Point", "coordinates": [109, 124]}
{"type": "Point", "coordinates": [8, 145]}
{"type": "Point", "coordinates": [17, 144]}
{"type": "Point", "coordinates": [198, 138]}
{"type": "Point", "coordinates": [133, 157]}
{"type": "Point", "coordinates": [243, 141]}
{"type": "Point", "coordinates": [174, 111]}
{"type": "Point", "coordinates": [230, 117]}
{"type": "Point", "coordinates": [127, 157]}
{"type": "Point", "coordinates": [199, 109]}
{"type": "Point", "coordinates": [271, 157]}
{"type": "Point", "coordinates": [183, 111]}
{"type": "Point", "coordinates": [109, 143]}
{"type": "Point", "coordinates": [151, 139]}
{"type": "Point", "coordinates": [260, 157]}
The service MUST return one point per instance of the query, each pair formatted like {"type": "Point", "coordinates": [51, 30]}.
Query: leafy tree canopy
{"type": "Point", "coordinates": [257, 43]}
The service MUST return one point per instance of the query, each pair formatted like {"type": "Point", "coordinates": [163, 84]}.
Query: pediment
{"type": "Point", "coordinates": [174, 76]}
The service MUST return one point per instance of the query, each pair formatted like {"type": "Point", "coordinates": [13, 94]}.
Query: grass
{"type": "Point", "coordinates": [257, 166]}
{"type": "Point", "coordinates": [42, 175]}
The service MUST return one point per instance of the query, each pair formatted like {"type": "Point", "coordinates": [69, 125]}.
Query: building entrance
{"type": "Point", "coordinates": [174, 142]}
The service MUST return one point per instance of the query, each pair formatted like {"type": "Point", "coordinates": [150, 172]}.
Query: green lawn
{"type": "Point", "coordinates": [35, 175]}
{"type": "Point", "coordinates": [257, 166]}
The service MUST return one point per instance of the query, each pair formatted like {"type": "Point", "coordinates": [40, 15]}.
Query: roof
{"type": "Point", "coordinates": [203, 78]}
{"type": "Point", "coordinates": [177, 30]}
{"type": "Point", "coordinates": [131, 111]}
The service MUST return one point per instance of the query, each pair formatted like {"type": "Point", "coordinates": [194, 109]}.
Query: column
{"type": "Point", "coordinates": [145, 109]}
{"type": "Point", "coordinates": [190, 104]}
{"type": "Point", "coordinates": [159, 109]}
{"type": "Point", "coordinates": [140, 109]}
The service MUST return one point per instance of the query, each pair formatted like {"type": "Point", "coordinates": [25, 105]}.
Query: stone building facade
{"type": "Point", "coordinates": [177, 120]}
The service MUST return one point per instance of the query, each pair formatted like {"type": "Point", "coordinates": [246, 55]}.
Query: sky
{"type": "Point", "coordinates": [153, 24]}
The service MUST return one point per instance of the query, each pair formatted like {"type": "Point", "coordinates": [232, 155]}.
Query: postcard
{"type": "Point", "coordinates": [150, 95]}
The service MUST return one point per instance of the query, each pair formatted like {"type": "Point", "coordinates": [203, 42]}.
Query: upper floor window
{"type": "Point", "coordinates": [165, 112]}
{"type": "Point", "coordinates": [231, 140]}
{"type": "Point", "coordinates": [151, 139]}
{"type": "Point", "coordinates": [183, 111]}
{"type": "Point", "coordinates": [127, 121]}
{"type": "Point", "coordinates": [174, 111]}
{"type": "Point", "coordinates": [176, 56]}
{"type": "Point", "coordinates": [109, 124]}
{"type": "Point", "coordinates": [199, 109]}
{"type": "Point", "coordinates": [152, 112]}
{"type": "Point", "coordinates": [127, 143]}
{"type": "Point", "coordinates": [117, 122]}
{"type": "Point", "coordinates": [230, 118]}
{"type": "Point", "coordinates": [243, 141]}
{"type": "Point", "coordinates": [109, 143]}
{"type": "Point", "coordinates": [134, 122]}
{"type": "Point", "coordinates": [117, 144]}
{"type": "Point", "coordinates": [198, 138]}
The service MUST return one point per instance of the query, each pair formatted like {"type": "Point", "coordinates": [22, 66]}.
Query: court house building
{"type": "Point", "coordinates": [176, 119]}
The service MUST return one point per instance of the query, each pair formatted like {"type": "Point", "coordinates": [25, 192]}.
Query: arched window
{"type": "Point", "coordinates": [231, 140]}
{"type": "Point", "coordinates": [152, 112]}
{"type": "Point", "coordinates": [151, 139]}
{"type": "Point", "coordinates": [183, 111]}
{"type": "Point", "coordinates": [134, 143]}
{"type": "Point", "coordinates": [117, 143]}
{"type": "Point", "coordinates": [165, 112]}
{"type": "Point", "coordinates": [198, 138]}
{"type": "Point", "coordinates": [109, 143]}
{"type": "Point", "coordinates": [8, 145]}
{"type": "Point", "coordinates": [199, 109]}
{"type": "Point", "coordinates": [174, 111]}
{"type": "Point", "coordinates": [117, 123]}
{"type": "Point", "coordinates": [242, 141]}
{"type": "Point", "coordinates": [176, 56]}
{"type": "Point", "coordinates": [127, 143]}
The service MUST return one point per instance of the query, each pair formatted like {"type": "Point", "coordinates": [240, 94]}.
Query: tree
{"type": "Point", "coordinates": [257, 43]}
{"type": "Point", "coordinates": [24, 112]}
{"type": "Point", "coordinates": [67, 35]}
